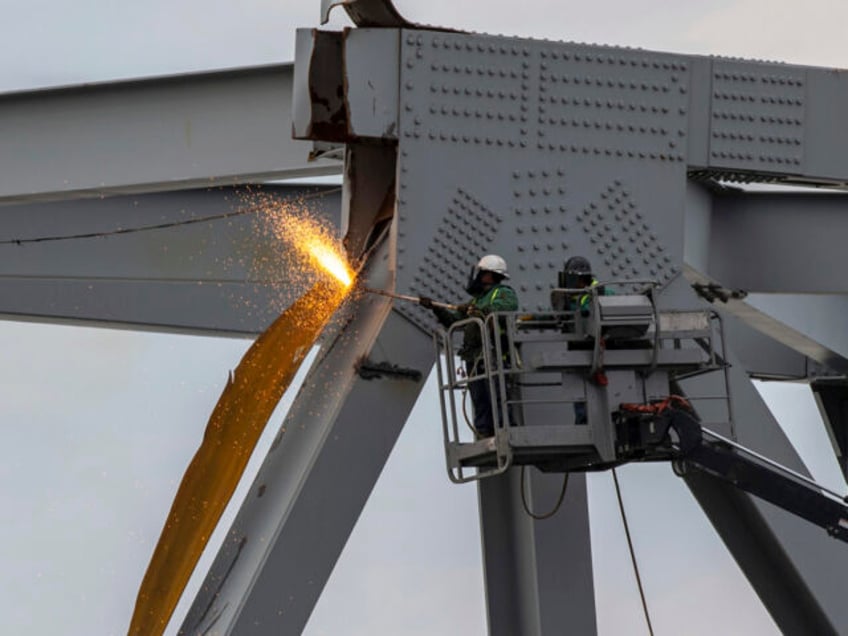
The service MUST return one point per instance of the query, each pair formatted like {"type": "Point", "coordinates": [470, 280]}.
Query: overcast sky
{"type": "Point", "coordinates": [50, 42]}
{"type": "Point", "coordinates": [99, 425]}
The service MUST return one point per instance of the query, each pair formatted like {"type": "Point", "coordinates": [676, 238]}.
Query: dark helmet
{"type": "Point", "coordinates": [578, 265]}
{"type": "Point", "coordinates": [577, 272]}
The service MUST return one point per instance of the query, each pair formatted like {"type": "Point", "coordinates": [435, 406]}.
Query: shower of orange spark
{"type": "Point", "coordinates": [330, 260]}
{"type": "Point", "coordinates": [309, 244]}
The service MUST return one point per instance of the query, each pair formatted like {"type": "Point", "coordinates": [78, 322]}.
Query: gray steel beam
{"type": "Point", "coordinates": [526, 594]}
{"type": "Point", "coordinates": [765, 121]}
{"type": "Point", "coordinates": [747, 534]}
{"type": "Point", "coordinates": [764, 242]}
{"type": "Point", "coordinates": [315, 481]}
{"type": "Point", "coordinates": [827, 348]}
{"type": "Point", "coordinates": [818, 317]}
{"type": "Point", "coordinates": [766, 358]}
{"type": "Point", "coordinates": [225, 276]}
{"type": "Point", "coordinates": [783, 243]}
{"type": "Point", "coordinates": [168, 133]}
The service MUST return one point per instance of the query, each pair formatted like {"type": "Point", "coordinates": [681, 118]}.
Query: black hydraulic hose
{"type": "Point", "coordinates": [548, 515]}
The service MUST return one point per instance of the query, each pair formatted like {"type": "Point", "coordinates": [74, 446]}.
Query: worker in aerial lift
{"type": "Point", "coordinates": [577, 274]}
{"type": "Point", "coordinates": [488, 294]}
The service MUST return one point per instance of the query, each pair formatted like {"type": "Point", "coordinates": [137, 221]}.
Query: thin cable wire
{"type": "Point", "coordinates": [163, 226]}
{"type": "Point", "coordinates": [548, 515]}
{"type": "Point", "coordinates": [632, 553]}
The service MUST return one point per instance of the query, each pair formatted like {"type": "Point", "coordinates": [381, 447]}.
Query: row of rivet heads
{"type": "Point", "coordinates": [587, 80]}
{"type": "Point", "coordinates": [516, 51]}
{"type": "Point", "coordinates": [490, 115]}
{"type": "Point", "coordinates": [480, 71]}
{"type": "Point", "coordinates": [601, 124]}
{"type": "Point", "coordinates": [474, 43]}
{"type": "Point", "coordinates": [477, 113]}
{"type": "Point", "coordinates": [747, 156]}
{"type": "Point", "coordinates": [607, 82]}
{"type": "Point", "coordinates": [764, 119]}
{"type": "Point", "coordinates": [613, 60]}
{"type": "Point", "coordinates": [460, 43]}
{"type": "Point", "coordinates": [769, 139]}
{"type": "Point", "coordinates": [612, 104]}
{"type": "Point", "coordinates": [754, 99]}
{"type": "Point", "coordinates": [465, 138]}
{"type": "Point", "coordinates": [776, 80]}
{"type": "Point", "coordinates": [620, 153]}
{"type": "Point", "coordinates": [604, 83]}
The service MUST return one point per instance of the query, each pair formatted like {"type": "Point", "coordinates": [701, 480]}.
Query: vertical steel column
{"type": "Point", "coordinates": [538, 573]}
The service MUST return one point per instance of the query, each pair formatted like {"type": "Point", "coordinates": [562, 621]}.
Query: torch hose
{"type": "Point", "coordinates": [411, 299]}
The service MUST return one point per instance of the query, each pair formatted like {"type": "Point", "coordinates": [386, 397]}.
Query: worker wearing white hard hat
{"type": "Point", "coordinates": [488, 294]}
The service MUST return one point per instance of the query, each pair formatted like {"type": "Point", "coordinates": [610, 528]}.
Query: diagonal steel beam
{"type": "Point", "coordinates": [316, 479]}
{"type": "Point", "coordinates": [224, 276]}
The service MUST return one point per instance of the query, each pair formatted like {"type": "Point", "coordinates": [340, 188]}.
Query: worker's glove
{"type": "Point", "coordinates": [425, 302]}
{"type": "Point", "coordinates": [474, 312]}
{"type": "Point", "coordinates": [463, 308]}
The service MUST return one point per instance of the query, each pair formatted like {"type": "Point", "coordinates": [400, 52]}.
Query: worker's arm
{"type": "Point", "coordinates": [444, 315]}
{"type": "Point", "coordinates": [447, 316]}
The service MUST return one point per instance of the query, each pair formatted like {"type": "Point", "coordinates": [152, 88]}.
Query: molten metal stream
{"type": "Point", "coordinates": [234, 427]}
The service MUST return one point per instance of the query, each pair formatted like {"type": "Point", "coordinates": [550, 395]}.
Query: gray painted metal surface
{"type": "Point", "coordinates": [779, 243]}
{"type": "Point", "coordinates": [226, 276]}
{"type": "Point", "coordinates": [766, 358]}
{"type": "Point", "coordinates": [169, 133]}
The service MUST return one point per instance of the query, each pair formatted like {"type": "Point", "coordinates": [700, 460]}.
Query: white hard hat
{"type": "Point", "coordinates": [493, 263]}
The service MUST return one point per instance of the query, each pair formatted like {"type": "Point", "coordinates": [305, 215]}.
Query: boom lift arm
{"type": "Point", "coordinates": [696, 448]}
